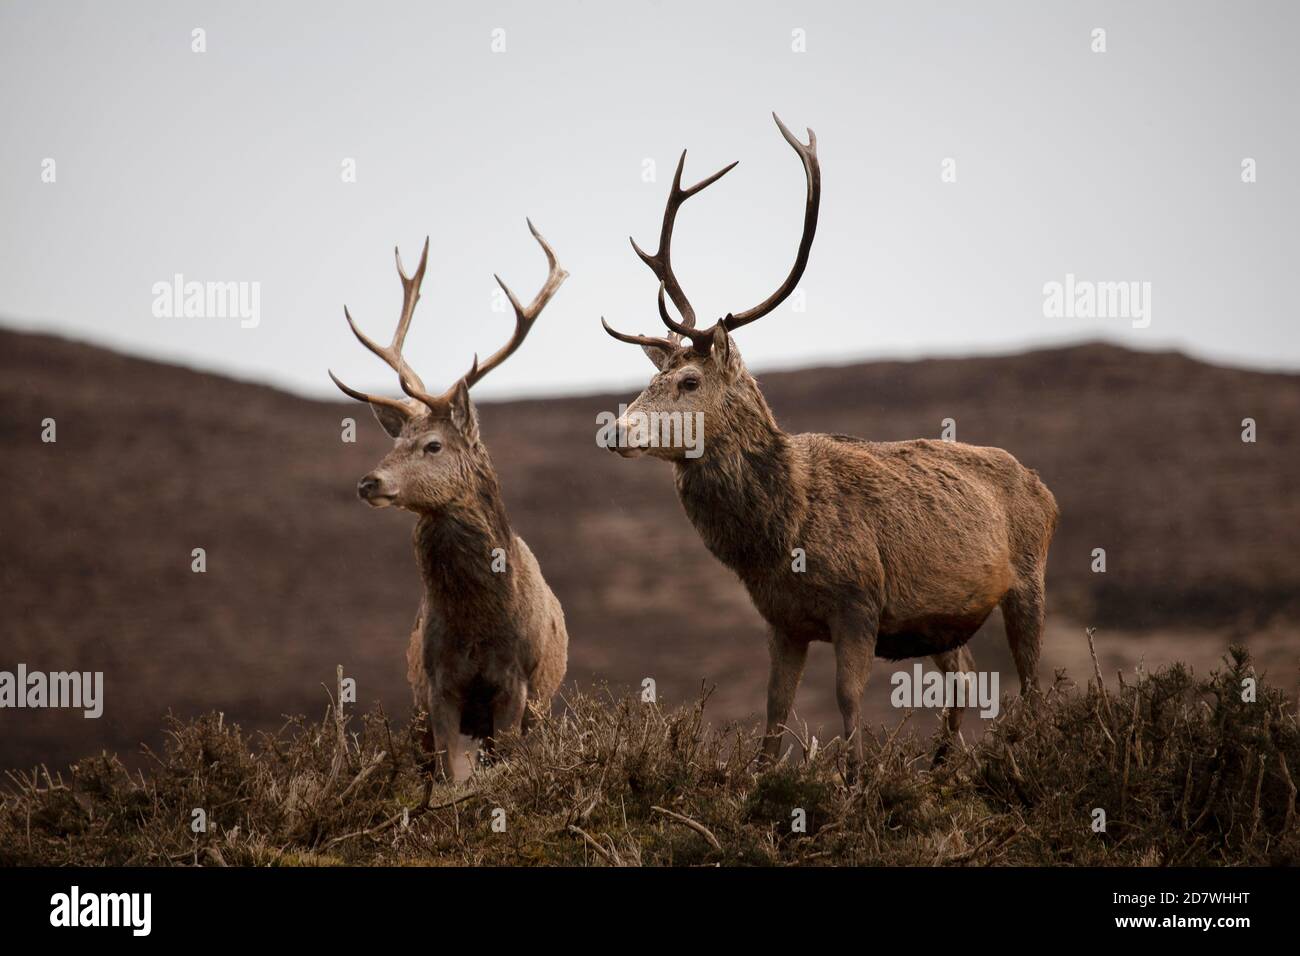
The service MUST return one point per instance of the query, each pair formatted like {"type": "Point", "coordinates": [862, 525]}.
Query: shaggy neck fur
{"type": "Point", "coordinates": [740, 493]}
{"type": "Point", "coordinates": [454, 546]}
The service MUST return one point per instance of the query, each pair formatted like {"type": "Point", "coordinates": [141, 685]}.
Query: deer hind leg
{"type": "Point", "coordinates": [537, 705]}
{"type": "Point", "coordinates": [428, 746]}
{"type": "Point", "coordinates": [509, 710]}
{"type": "Point", "coordinates": [788, 656]}
{"type": "Point", "coordinates": [1022, 611]}
{"type": "Point", "coordinates": [956, 661]}
{"type": "Point", "coordinates": [854, 638]}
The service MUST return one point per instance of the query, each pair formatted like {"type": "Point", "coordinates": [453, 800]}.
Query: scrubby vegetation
{"type": "Point", "coordinates": [1186, 771]}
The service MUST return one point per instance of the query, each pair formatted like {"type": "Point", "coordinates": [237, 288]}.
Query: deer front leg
{"type": "Point", "coordinates": [444, 717]}
{"type": "Point", "coordinates": [854, 638]}
{"type": "Point", "coordinates": [787, 661]}
{"type": "Point", "coordinates": [419, 680]}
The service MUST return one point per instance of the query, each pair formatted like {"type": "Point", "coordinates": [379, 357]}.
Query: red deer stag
{"type": "Point", "coordinates": [490, 636]}
{"type": "Point", "coordinates": [908, 545]}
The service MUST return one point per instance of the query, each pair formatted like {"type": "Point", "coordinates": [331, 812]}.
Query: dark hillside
{"type": "Point", "coordinates": [1143, 452]}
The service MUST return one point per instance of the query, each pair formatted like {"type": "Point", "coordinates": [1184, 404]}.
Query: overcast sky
{"type": "Point", "coordinates": [228, 166]}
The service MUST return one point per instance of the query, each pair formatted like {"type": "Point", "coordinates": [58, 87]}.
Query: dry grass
{"type": "Point", "coordinates": [1186, 772]}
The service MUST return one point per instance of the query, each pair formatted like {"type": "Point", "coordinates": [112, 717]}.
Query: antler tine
{"type": "Point", "coordinates": [410, 295]}
{"type": "Point", "coordinates": [699, 337]}
{"type": "Point", "coordinates": [643, 340]}
{"type": "Point", "coordinates": [392, 354]}
{"type": "Point", "coordinates": [812, 169]}
{"type": "Point", "coordinates": [392, 403]}
{"type": "Point", "coordinates": [524, 317]}
{"type": "Point", "coordinates": [661, 262]}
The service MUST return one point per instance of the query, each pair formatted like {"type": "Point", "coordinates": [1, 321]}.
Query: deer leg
{"type": "Point", "coordinates": [957, 661]}
{"type": "Point", "coordinates": [508, 711]}
{"type": "Point", "coordinates": [419, 681]}
{"type": "Point", "coordinates": [487, 752]}
{"type": "Point", "coordinates": [854, 639]}
{"type": "Point", "coordinates": [787, 660]}
{"type": "Point", "coordinates": [526, 722]}
{"type": "Point", "coordinates": [444, 716]}
{"type": "Point", "coordinates": [428, 747]}
{"type": "Point", "coordinates": [1022, 612]}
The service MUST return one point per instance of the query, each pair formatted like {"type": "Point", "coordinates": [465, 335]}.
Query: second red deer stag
{"type": "Point", "coordinates": [490, 636]}
{"type": "Point", "coordinates": [909, 546]}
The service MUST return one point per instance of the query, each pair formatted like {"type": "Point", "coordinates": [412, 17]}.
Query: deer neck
{"type": "Point", "coordinates": [740, 494]}
{"type": "Point", "coordinates": [457, 545]}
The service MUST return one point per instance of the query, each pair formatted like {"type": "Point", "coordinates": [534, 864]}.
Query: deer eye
{"type": "Point", "coordinates": [690, 383]}
{"type": "Point", "coordinates": [432, 447]}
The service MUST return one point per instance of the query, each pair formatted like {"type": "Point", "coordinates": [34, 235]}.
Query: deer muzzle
{"type": "Point", "coordinates": [630, 440]}
{"type": "Point", "coordinates": [374, 491]}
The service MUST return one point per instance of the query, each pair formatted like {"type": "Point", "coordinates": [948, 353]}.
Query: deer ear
{"type": "Point", "coordinates": [656, 354]}
{"type": "Point", "coordinates": [390, 419]}
{"type": "Point", "coordinates": [726, 357]}
{"type": "Point", "coordinates": [463, 415]}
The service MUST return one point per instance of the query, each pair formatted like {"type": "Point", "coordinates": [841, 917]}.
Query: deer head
{"type": "Point", "coordinates": [436, 446]}
{"type": "Point", "coordinates": [700, 370]}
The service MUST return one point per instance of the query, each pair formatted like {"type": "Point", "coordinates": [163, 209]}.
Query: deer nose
{"type": "Point", "coordinates": [628, 442]}
{"type": "Point", "coordinates": [367, 486]}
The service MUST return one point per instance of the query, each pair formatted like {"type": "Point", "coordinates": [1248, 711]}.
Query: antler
{"type": "Point", "coordinates": [670, 342]}
{"type": "Point", "coordinates": [812, 169]}
{"type": "Point", "coordinates": [392, 353]}
{"type": "Point", "coordinates": [524, 318]}
{"type": "Point", "coordinates": [661, 262]}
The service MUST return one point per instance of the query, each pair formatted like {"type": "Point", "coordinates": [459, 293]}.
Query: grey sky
{"type": "Point", "coordinates": [226, 166]}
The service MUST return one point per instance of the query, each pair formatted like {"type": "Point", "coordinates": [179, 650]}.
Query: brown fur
{"type": "Point", "coordinates": [486, 643]}
{"type": "Point", "coordinates": [489, 639]}
{"type": "Point", "coordinates": [909, 545]}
